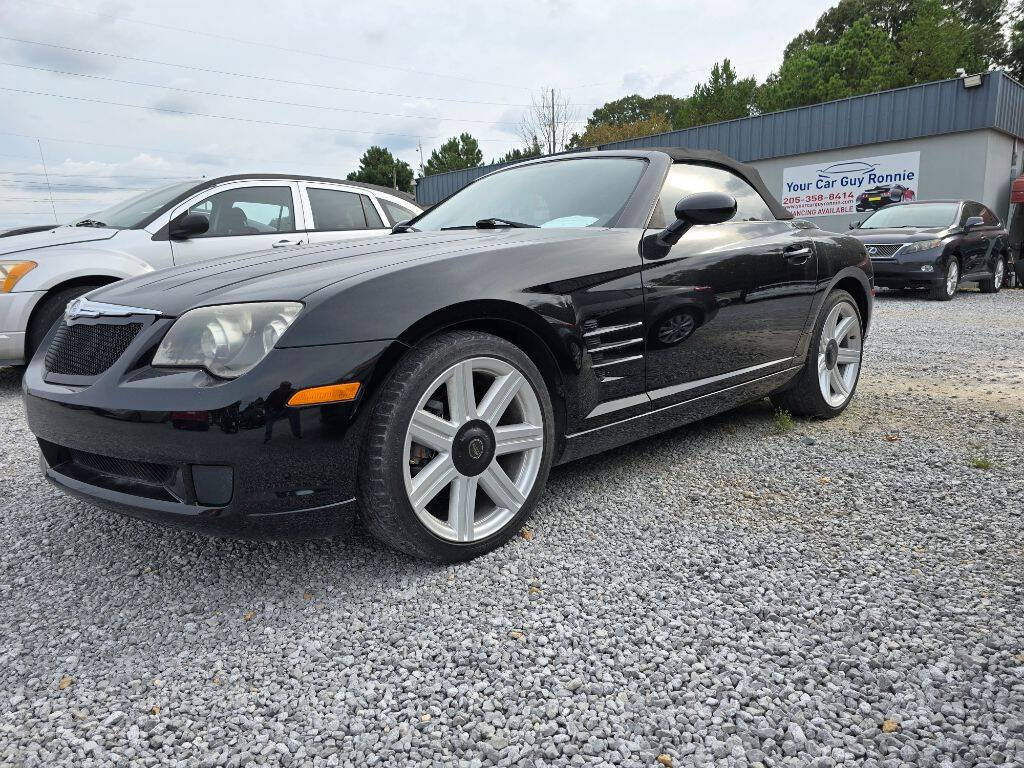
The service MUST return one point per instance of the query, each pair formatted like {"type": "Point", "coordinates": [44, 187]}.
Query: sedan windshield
{"type": "Point", "coordinates": [579, 192]}
{"type": "Point", "coordinates": [924, 215]}
{"type": "Point", "coordinates": [135, 210]}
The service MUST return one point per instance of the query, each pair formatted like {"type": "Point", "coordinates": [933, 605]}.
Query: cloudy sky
{"type": "Point", "coordinates": [305, 86]}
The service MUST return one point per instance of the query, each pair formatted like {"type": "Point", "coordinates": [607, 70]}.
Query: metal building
{"type": "Point", "coordinates": [956, 138]}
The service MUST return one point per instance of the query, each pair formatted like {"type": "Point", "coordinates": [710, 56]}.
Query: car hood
{"type": "Point", "coordinates": [899, 234]}
{"type": "Point", "coordinates": [292, 274]}
{"type": "Point", "coordinates": [53, 237]}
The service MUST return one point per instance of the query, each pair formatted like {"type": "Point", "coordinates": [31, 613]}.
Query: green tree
{"type": "Point", "coordinates": [515, 155]}
{"type": "Point", "coordinates": [605, 133]}
{"type": "Point", "coordinates": [725, 96]}
{"type": "Point", "coordinates": [462, 151]}
{"type": "Point", "coordinates": [862, 60]}
{"type": "Point", "coordinates": [378, 166]}
{"type": "Point", "coordinates": [1015, 44]}
{"type": "Point", "coordinates": [935, 43]}
{"type": "Point", "coordinates": [633, 109]}
{"type": "Point", "coordinates": [982, 19]}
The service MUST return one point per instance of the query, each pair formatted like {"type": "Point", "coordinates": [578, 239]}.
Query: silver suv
{"type": "Point", "coordinates": [40, 272]}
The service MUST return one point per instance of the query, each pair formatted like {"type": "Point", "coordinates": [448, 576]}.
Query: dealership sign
{"type": "Point", "coordinates": [832, 188]}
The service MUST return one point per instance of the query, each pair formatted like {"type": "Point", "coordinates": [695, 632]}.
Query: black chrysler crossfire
{"type": "Point", "coordinates": [427, 381]}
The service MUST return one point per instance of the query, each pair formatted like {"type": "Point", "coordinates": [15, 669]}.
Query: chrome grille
{"type": "Point", "coordinates": [88, 349]}
{"type": "Point", "coordinates": [883, 251]}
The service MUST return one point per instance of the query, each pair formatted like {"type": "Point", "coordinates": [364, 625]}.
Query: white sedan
{"type": "Point", "coordinates": [40, 272]}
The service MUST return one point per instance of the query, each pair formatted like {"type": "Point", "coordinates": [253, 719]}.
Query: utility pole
{"type": "Point", "coordinates": [46, 175]}
{"type": "Point", "coordinates": [422, 169]}
{"type": "Point", "coordinates": [552, 122]}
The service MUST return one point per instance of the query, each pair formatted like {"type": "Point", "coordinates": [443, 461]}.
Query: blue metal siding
{"type": "Point", "coordinates": [930, 109]}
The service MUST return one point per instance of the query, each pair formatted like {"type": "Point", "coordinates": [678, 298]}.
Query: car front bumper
{"type": "Point", "coordinates": [925, 268]}
{"type": "Point", "coordinates": [15, 310]}
{"type": "Point", "coordinates": [156, 446]}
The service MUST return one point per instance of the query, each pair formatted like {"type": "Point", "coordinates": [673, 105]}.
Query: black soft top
{"type": "Point", "coordinates": [747, 172]}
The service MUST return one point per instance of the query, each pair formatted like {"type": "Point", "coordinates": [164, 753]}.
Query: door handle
{"type": "Point", "coordinates": [284, 243]}
{"type": "Point", "coordinates": [796, 254]}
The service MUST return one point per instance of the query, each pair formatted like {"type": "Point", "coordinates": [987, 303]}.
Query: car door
{"type": "Point", "coordinates": [244, 216]}
{"type": "Point", "coordinates": [993, 234]}
{"type": "Point", "coordinates": [335, 212]}
{"type": "Point", "coordinates": [729, 302]}
{"type": "Point", "coordinates": [974, 244]}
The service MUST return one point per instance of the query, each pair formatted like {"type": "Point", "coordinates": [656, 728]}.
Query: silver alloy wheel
{"type": "Point", "coordinates": [471, 462]}
{"type": "Point", "coordinates": [952, 277]}
{"type": "Point", "coordinates": [676, 328]}
{"type": "Point", "coordinates": [997, 279]}
{"type": "Point", "coordinates": [839, 354]}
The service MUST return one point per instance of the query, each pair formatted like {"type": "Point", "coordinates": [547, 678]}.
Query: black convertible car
{"type": "Point", "coordinates": [886, 194]}
{"type": "Point", "coordinates": [936, 245]}
{"type": "Point", "coordinates": [430, 379]}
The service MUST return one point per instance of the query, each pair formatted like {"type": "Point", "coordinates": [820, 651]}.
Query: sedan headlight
{"type": "Point", "coordinates": [12, 271]}
{"type": "Point", "coordinates": [227, 340]}
{"type": "Point", "coordinates": [922, 245]}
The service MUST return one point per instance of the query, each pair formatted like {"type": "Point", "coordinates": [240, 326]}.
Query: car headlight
{"type": "Point", "coordinates": [922, 245]}
{"type": "Point", "coordinates": [227, 340]}
{"type": "Point", "coordinates": [12, 271]}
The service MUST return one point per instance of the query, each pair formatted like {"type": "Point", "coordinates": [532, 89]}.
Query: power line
{"type": "Point", "coordinates": [138, 149]}
{"type": "Point", "coordinates": [252, 120]}
{"type": "Point", "coordinates": [248, 76]}
{"type": "Point", "coordinates": [256, 98]}
{"type": "Point", "coordinates": [273, 46]}
{"type": "Point", "coordinates": [98, 175]}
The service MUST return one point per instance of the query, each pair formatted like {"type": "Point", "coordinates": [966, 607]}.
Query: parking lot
{"type": "Point", "coordinates": [830, 594]}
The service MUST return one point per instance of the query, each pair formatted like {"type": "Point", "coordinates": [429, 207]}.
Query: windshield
{"type": "Point", "coordinates": [582, 192]}
{"type": "Point", "coordinates": [923, 215]}
{"type": "Point", "coordinates": [133, 211]}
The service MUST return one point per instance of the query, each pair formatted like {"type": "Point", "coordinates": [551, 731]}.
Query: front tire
{"type": "Point", "coordinates": [829, 379]}
{"type": "Point", "coordinates": [946, 290]}
{"type": "Point", "coordinates": [458, 447]}
{"type": "Point", "coordinates": [993, 284]}
{"type": "Point", "coordinates": [48, 312]}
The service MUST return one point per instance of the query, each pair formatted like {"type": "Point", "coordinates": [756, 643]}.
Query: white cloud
{"type": "Point", "coordinates": [438, 55]}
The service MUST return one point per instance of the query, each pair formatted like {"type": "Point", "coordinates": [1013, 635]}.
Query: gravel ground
{"type": "Point", "coordinates": [842, 593]}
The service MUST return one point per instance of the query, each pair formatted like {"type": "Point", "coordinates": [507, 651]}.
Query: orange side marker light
{"type": "Point", "coordinates": [332, 393]}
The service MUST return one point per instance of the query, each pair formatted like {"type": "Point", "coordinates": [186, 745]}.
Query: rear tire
{"type": "Point", "coordinates": [49, 311]}
{"type": "Point", "coordinates": [829, 379]}
{"type": "Point", "coordinates": [993, 284]}
{"type": "Point", "coordinates": [485, 447]}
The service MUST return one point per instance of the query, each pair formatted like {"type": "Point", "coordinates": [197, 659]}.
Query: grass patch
{"type": "Point", "coordinates": [783, 421]}
{"type": "Point", "coordinates": [981, 462]}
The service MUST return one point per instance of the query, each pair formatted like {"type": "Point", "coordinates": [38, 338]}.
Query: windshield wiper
{"type": "Point", "coordinates": [493, 223]}
{"type": "Point", "coordinates": [90, 223]}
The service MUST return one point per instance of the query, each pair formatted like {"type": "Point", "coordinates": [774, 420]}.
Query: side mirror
{"type": "Point", "coordinates": [972, 222]}
{"type": "Point", "coordinates": [854, 224]}
{"type": "Point", "coordinates": [189, 225]}
{"type": "Point", "coordinates": [402, 226]}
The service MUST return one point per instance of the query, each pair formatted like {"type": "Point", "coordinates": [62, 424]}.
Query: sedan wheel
{"type": "Point", "coordinates": [458, 447]}
{"type": "Point", "coordinates": [473, 459]}
{"type": "Point", "coordinates": [839, 352]}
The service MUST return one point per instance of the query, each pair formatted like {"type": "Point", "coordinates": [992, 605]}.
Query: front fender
{"type": "Point", "coordinates": [61, 266]}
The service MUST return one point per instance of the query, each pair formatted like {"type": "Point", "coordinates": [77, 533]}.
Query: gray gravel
{"type": "Point", "coordinates": [845, 593]}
